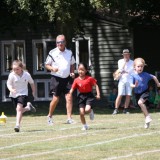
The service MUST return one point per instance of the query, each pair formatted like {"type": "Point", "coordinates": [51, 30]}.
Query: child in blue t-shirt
{"type": "Point", "coordinates": [139, 81]}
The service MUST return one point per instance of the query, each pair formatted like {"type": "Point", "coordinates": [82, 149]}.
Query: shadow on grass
{"type": "Point", "coordinates": [100, 107]}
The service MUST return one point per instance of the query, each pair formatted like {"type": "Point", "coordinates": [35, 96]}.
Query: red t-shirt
{"type": "Point", "coordinates": [84, 85]}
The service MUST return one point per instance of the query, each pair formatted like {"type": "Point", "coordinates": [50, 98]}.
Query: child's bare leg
{"type": "Point", "coordinates": [82, 114]}
{"type": "Point", "coordinates": [143, 107]}
{"type": "Point", "coordinates": [87, 109]}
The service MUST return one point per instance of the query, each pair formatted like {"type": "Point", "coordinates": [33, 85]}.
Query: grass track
{"type": "Point", "coordinates": [109, 137]}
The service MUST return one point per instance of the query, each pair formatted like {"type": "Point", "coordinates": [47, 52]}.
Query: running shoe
{"type": "Point", "coordinates": [49, 120]}
{"type": "Point", "coordinates": [17, 128]}
{"type": "Point", "coordinates": [115, 111]}
{"type": "Point", "coordinates": [84, 128]}
{"type": "Point", "coordinates": [32, 108]}
{"type": "Point", "coordinates": [147, 122]}
{"type": "Point", "coordinates": [69, 121]}
{"type": "Point", "coordinates": [91, 115]}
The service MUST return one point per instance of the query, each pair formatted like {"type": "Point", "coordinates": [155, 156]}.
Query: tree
{"type": "Point", "coordinates": [68, 13]}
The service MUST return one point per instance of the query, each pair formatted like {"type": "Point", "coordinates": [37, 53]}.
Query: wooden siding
{"type": "Point", "coordinates": [107, 42]}
{"type": "Point", "coordinates": [108, 39]}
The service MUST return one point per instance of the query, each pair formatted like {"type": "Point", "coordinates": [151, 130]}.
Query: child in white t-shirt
{"type": "Point", "coordinates": [17, 84]}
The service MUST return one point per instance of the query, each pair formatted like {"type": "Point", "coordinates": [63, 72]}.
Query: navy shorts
{"type": "Point", "coordinates": [144, 95]}
{"type": "Point", "coordinates": [85, 99]}
{"type": "Point", "coordinates": [59, 85]}
{"type": "Point", "coordinates": [20, 99]}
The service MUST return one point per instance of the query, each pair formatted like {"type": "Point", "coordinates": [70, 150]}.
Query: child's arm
{"type": "Point", "coordinates": [9, 85]}
{"type": "Point", "coordinates": [11, 89]}
{"type": "Point", "coordinates": [156, 81]}
{"type": "Point", "coordinates": [134, 85]}
{"type": "Point", "coordinates": [33, 89]}
{"type": "Point", "coordinates": [98, 92]}
{"type": "Point", "coordinates": [71, 91]}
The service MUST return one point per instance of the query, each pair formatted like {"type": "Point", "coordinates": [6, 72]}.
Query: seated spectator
{"type": "Point", "coordinates": [133, 103]}
{"type": "Point", "coordinates": [157, 99]}
{"type": "Point", "coordinates": [112, 97]}
{"type": "Point", "coordinates": [151, 98]}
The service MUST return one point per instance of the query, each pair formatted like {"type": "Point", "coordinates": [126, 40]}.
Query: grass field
{"type": "Point", "coordinates": [110, 137]}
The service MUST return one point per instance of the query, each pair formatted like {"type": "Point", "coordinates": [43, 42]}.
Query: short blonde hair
{"type": "Point", "coordinates": [139, 60]}
{"type": "Point", "coordinates": [19, 64]}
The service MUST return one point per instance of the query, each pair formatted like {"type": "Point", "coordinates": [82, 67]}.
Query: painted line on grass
{"type": "Point", "coordinates": [132, 155]}
{"type": "Point", "coordinates": [49, 139]}
{"type": "Point", "coordinates": [66, 128]}
{"type": "Point", "coordinates": [78, 147]}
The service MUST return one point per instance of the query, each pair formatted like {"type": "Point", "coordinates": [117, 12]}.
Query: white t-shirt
{"type": "Point", "coordinates": [19, 83]}
{"type": "Point", "coordinates": [61, 60]}
{"type": "Point", "coordinates": [126, 71]}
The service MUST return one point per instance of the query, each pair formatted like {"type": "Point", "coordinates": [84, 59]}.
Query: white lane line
{"type": "Point", "coordinates": [78, 147]}
{"type": "Point", "coordinates": [132, 155]}
{"type": "Point", "coordinates": [67, 128]}
{"type": "Point", "coordinates": [61, 137]}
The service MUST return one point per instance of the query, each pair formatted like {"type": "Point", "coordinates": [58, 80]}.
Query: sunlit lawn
{"type": "Point", "coordinates": [109, 137]}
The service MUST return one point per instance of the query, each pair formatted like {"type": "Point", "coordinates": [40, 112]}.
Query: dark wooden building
{"type": "Point", "coordinates": [100, 46]}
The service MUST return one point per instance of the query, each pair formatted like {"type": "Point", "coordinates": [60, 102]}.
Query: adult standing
{"type": "Point", "coordinates": [60, 62]}
{"type": "Point", "coordinates": [125, 66]}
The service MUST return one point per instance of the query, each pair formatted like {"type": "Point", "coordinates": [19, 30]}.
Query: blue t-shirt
{"type": "Point", "coordinates": [143, 78]}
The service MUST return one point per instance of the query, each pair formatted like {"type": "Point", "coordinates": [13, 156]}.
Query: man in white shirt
{"type": "Point", "coordinates": [60, 62]}
{"type": "Point", "coordinates": [125, 66]}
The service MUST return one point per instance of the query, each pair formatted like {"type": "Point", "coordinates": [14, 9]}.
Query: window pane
{"type": "Point", "coordinates": [49, 90]}
{"type": "Point", "coordinates": [83, 49]}
{"type": "Point", "coordinates": [41, 90]}
{"type": "Point", "coordinates": [19, 51]}
{"type": "Point", "coordinates": [7, 57]}
{"type": "Point", "coordinates": [39, 57]}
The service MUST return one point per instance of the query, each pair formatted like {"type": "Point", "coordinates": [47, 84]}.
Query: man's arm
{"type": "Point", "coordinates": [50, 68]}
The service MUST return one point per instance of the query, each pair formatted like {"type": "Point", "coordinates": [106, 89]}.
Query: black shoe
{"type": "Point", "coordinates": [16, 128]}
{"type": "Point", "coordinates": [125, 111]}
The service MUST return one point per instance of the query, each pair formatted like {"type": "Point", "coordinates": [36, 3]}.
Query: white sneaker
{"type": "Point", "coordinates": [49, 120]}
{"type": "Point", "coordinates": [147, 122]}
{"type": "Point", "coordinates": [84, 128]}
{"type": "Point", "coordinates": [148, 119]}
{"type": "Point", "coordinates": [146, 125]}
{"type": "Point", "coordinates": [91, 115]}
{"type": "Point", "coordinates": [70, 121]}
{"type": "Point", "coordinates": [32, 108]}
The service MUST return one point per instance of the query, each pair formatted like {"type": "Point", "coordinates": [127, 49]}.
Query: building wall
{"type": "Point", "coordinates": [107, 40]}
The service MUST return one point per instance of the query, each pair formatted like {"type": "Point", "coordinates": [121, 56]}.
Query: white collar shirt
{"type": "Point", "coordinates": [61, 60]}
{"type": "Point", "coordinates": [19, 83]}
{"type": "Point", "coordinates": [125, 70]}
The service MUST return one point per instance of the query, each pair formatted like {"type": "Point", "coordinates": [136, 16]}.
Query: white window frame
{"type": "Point", "coordinates": [76, 41]}
{"type": "Point", "coordinates": [4, 98]}
{"type": "Point", "coordinates": [46, 90]}
{"type": "Point", "coordinates": [35, 57]}
{"type": "Point", "coordinates": [13, 55]}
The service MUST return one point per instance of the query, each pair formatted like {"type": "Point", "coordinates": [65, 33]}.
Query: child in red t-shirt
{"type": "Point", "coordinates": [84, 84]}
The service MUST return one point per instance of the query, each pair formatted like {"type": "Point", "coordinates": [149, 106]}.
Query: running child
{"type": "Point", "coordinates": [140, 81]}
{"type": "Point", "coordinates": [17, 84]}
{"type": "Point", "coordinates": [84, 83]}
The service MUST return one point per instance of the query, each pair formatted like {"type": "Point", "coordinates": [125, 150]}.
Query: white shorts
{"type": "Point", "coordinates": [124, 89]}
